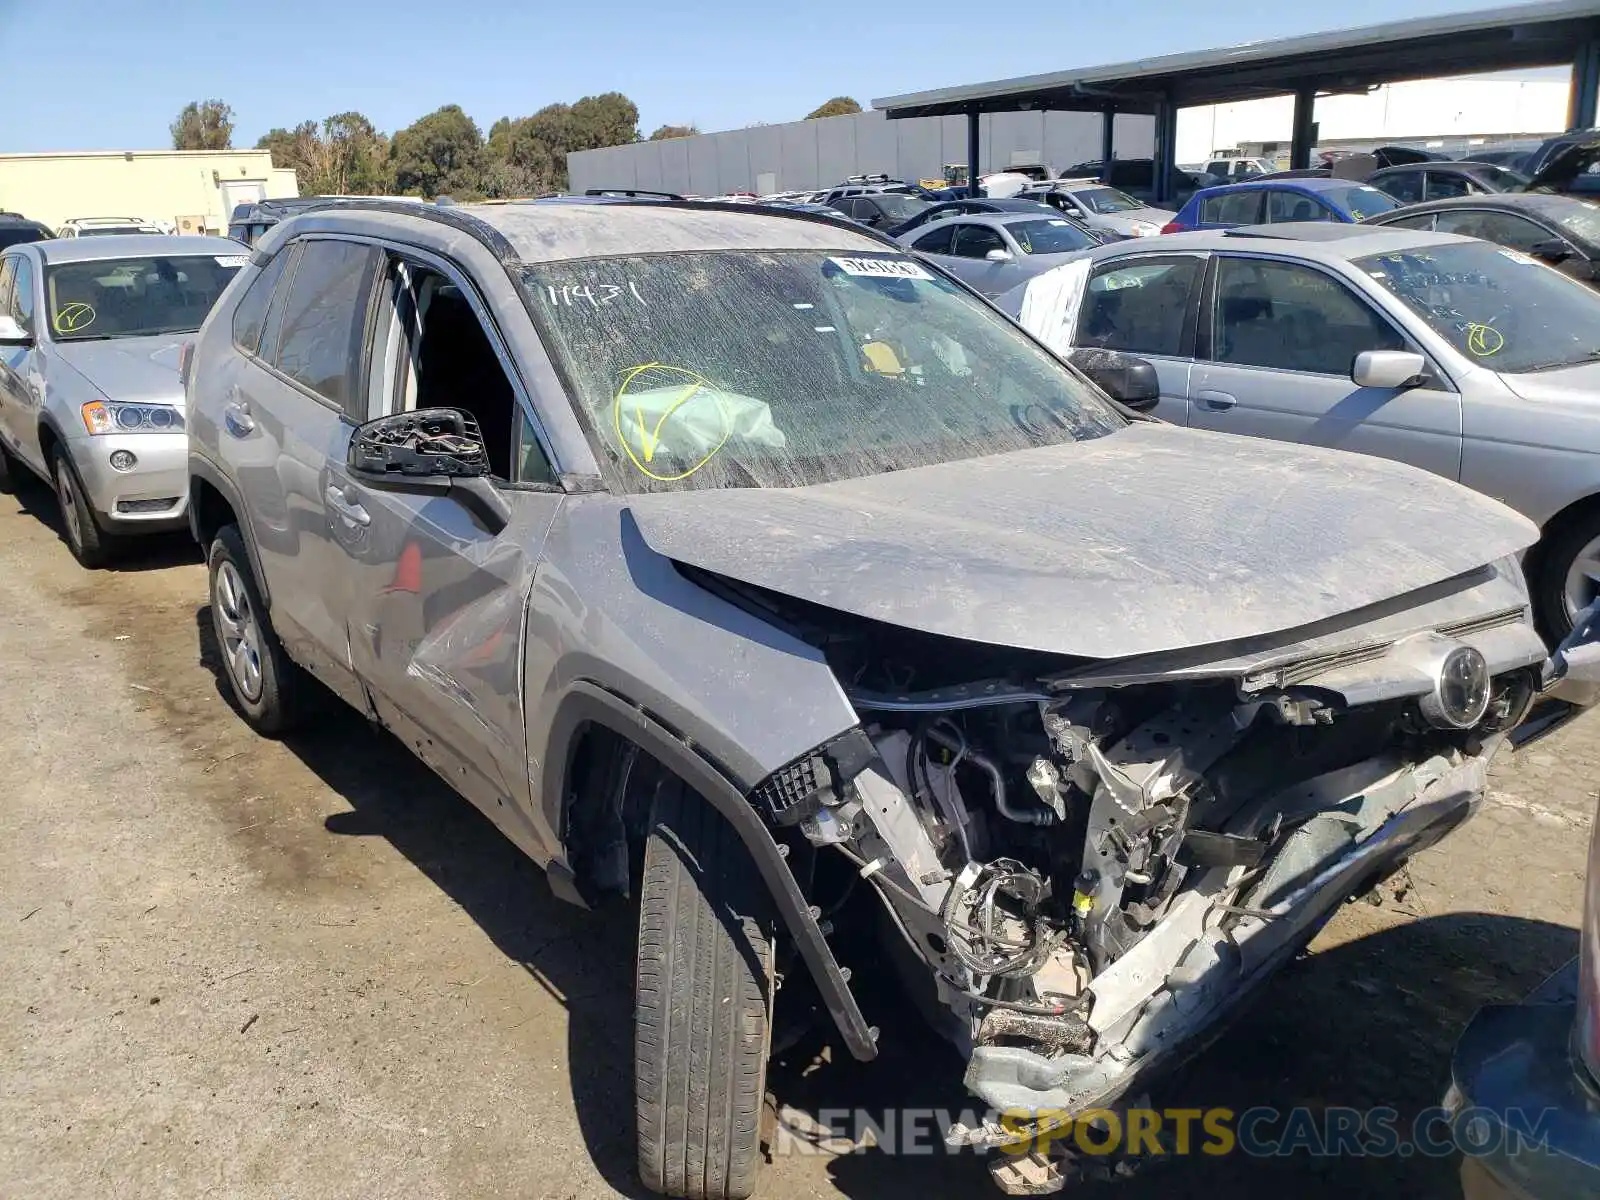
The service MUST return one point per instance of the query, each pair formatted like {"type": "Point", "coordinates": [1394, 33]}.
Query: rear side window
{"type": "Point", "coordinates": [1232, 208]}
{"type": "Point", "coordinates": [1139, 307]}
{"type": "Point", "coordinates": [1443, 185]}
{"type": "Point", "coordinates": [325, 321]}
{"type": "Point", "coordinates": [251, 312]}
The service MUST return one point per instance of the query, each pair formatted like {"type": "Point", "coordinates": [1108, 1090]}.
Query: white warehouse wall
{"type": "Point", "coordinates": [815, 154]}
{"type": "Point", "coordinates": [1473, 106]}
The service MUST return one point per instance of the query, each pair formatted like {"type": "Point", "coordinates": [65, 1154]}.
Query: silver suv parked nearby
{"type": "Point", "coordinates": [90, 398]}
{"type": "Point", "coordinates": [732, 560]}
{"type": "Point", "coordinates": [1472, 360]}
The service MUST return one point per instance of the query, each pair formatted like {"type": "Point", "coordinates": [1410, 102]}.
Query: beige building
{"type": "Point", "coordinates": [193, 190]}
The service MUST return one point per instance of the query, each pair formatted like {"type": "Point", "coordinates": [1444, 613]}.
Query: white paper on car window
{"type": "Point", "coordinates": [1517, 256]}
{"type": "Point", "coordinates": [232, 260]}
{"type": "Point", "coordinates": [881, 268]}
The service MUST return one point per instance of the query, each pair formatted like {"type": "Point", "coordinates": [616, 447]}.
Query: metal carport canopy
{"type": "Point", "coordinates": [1552, 33]}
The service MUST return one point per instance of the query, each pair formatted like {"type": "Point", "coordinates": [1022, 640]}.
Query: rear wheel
{"type": "Point", "coordinates": [88, 544]}
{"type": "Point", "coordinates": [10, 470]}
{"type": "Point", "coordinates": [1565, 574]}
{"type": "Point", "coordinates": [702, 1005]}
{"type": "Point", "coordinates": [268, 687]}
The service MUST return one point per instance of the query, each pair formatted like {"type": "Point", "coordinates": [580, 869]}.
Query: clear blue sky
{"type": "Point", "coordinates": [112, 76]}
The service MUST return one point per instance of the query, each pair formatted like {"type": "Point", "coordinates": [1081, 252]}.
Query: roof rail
{"type": "Point", "coordinates": [631, 193]}
{"type": "Point", "coordinates": [456, 218]}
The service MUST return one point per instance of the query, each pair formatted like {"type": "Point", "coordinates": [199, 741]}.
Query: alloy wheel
{"type": "Point", "coordinates": [240, 632]}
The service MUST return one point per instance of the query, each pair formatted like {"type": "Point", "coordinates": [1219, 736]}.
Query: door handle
{"type": "Point", "coordinates": [1214, 401]}
{"type": "Point", "coordinates": [237, 419]}
{"type": "Point", "coordinates": [340, 503]}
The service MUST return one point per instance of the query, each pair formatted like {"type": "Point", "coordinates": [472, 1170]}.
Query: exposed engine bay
{"type": "Point", "coordinates": [1092, 868]}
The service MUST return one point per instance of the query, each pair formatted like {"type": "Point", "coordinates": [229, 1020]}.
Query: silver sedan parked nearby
{"type": "Point", "coordinates": [1470, 359]}
{"type": "Point", "coordinates": [999, 251]}
{"type": "Point", "coordinates": [90, 398]}
{"type": "Point", "coordinates": [1100, 206]}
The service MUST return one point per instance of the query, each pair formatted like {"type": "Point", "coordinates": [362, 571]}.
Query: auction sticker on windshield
{"type": "Point", "coordinates": [882, 268]}
{"type": "Point", "coordinates": [231, 260]}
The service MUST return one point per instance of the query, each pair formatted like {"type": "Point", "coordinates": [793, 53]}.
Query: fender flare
{"type": "Point", "coordinates": [586, 703]}
{"type": "Point", "coordinates": [203, 469]}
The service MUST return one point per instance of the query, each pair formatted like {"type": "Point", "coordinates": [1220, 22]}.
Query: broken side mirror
{"type": "Point", "coordinates": [432, 451]}
{"type": "Point", "coordinates": [1133, 382]}
{"type": "Point", "coordinates": [1552, 251]}
{"type": "Point", "coordinates": [1389, 370]}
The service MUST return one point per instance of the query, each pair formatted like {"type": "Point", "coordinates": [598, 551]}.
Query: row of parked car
{"type": "Point", "coordinates": [740, 564]}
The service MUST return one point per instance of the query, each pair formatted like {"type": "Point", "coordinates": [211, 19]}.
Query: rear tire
{"type": "Point", "coordinates": [91, 547]}
{"type": "Point", "coordinates": [268, 687]}
{"type": "Point", "coordinates": [10, 470]}
{"type": "Point", "coordinates": [702, 1005]}
{"type": "Point", "coordinates": [1557, 576]}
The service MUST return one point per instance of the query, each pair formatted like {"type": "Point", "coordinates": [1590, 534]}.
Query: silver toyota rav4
{"type": "Point", "coordinates": [727, 559]}
{"type": "Point", "coordinates": [90, 398]}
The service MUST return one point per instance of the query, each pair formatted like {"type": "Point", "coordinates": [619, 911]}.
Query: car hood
{"type": "Point", "coordinates": [135, 368]}
{"type": "Point", "coordinates": [1578, 385]}
{"type": "Point", "coordinates": [1152, 538]}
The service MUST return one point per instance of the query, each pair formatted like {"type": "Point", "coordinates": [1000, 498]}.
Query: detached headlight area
{"type": "Point", "coordinates": [110, 416]}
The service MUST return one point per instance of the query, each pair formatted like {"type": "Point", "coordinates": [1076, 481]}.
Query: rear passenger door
{"type": "Point", "coordinates": [1146, 307]}
{"type": "Point", "coordinates": [297, 393]}
{"type": "Point", "coordinates": [1276, 348]}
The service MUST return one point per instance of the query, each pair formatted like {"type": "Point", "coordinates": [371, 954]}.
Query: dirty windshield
{"type": "Point", "coordinates": [1499, 308]}
{"type": "Point", "coordinates": [135, 297]}
{"type": "Point", "coordinates": [774, 369]}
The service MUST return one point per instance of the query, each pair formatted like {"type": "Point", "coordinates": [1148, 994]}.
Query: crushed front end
{"type": "Point", "coordinates": [1094, 866]}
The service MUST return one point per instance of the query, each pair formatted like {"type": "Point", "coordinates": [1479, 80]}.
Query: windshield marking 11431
{"type": "Point", "coordinates": [783, 368]}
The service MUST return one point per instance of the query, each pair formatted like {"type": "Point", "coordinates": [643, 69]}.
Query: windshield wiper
{"type": "Point", "coordinates": [1587, 357]}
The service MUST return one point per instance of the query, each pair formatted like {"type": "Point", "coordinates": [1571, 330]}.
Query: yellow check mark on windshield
{"type": "Point", "coordinates": [649, 439]}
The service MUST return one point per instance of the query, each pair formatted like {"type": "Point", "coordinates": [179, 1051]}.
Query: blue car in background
{"type": "Point", "coordinates": [1273, 201]}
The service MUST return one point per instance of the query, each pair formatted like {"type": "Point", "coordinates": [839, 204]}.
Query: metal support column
{"type": "Point", "coordinates": [1305, 128]}
{"type": "Point", "coordinates": [1585, 86]}
{"type": "Point", "coordinates": [1166, 152]}
{"type": "Point", "coordinates": [1108, 136]}
{"type": "Point", "coordinates": [972, 151]}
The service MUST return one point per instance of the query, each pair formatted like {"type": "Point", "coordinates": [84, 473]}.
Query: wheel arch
{"type": "Point", "coordinates": [214, 502]}
{"type": "Point", "coordinates": [586, 706]}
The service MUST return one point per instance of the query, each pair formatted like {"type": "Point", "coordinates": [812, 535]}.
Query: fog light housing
{"type": "Point", "coordinates": [1460, 694]}
{"type": "Point", "coordinates": [123, 460]}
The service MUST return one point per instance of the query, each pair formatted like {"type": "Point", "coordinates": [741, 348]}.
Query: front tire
{"type": "Point", "coordinates": [702, 1005]}
{"type": "Point", "coordinates": [89, 546]}
{"type": "Point", "coordinates": [268, 687]}
{"type": "Point", "coordinates": [1564, 575]}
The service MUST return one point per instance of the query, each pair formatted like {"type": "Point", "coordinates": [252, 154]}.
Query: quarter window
{"type": "Point", "coordinates": [1292, 318]}
{"type": "Point", "coordinates": [1139, 306]}
{"type": "Point", "coordinates": [251, 312]}
{"type": "Point", "coordinates": [325, 319]}
{"type": "Point", "coordinates": [1232, 208]}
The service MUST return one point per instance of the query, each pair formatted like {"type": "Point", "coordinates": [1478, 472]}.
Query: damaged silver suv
{"type": "Point", "coordinates": [726, 559]}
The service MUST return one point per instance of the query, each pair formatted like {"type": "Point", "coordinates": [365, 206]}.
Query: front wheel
{"type": "Point", "coordinates": [1564, 575]}
{"type": "Point", "coordinates": [702, 1005]}
{"type": "Point", "coordinates": [88, 544]}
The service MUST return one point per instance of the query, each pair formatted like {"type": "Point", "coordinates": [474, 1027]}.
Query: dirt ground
{"type": "Point", "coordinates": [241, 968]}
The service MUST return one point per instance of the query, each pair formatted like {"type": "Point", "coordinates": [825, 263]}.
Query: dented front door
{"type": "Point", "coordinates": [436, 611]}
